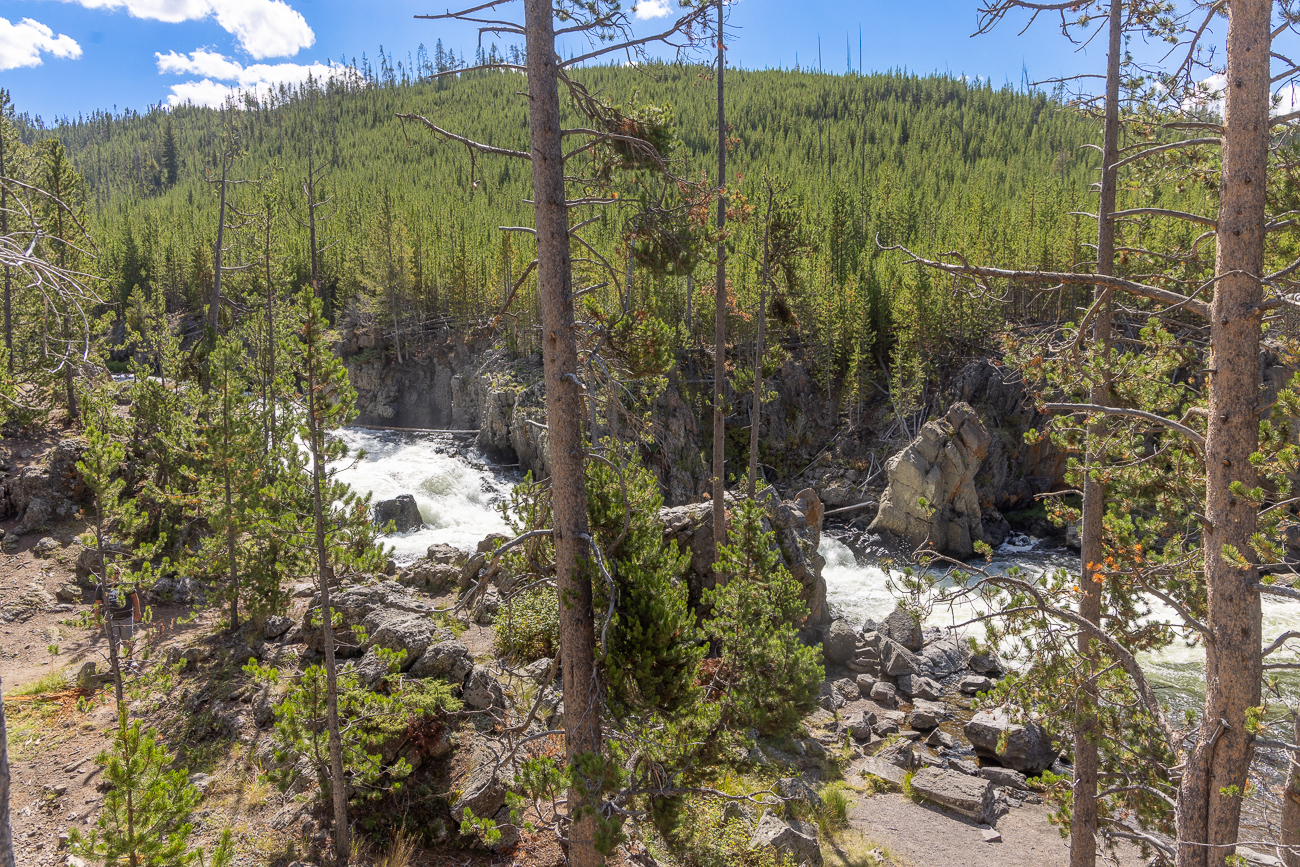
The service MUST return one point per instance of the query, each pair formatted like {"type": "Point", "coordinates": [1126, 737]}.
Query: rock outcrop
{"type": "Point", "coordinates": [931, 496]}
{"type": "Point", "coordinates": [796, 525]}
{"type": "Point", "coordinates": [48, 492]}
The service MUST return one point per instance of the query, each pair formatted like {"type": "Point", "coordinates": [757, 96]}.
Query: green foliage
{"type": "Point", "coordinates": [653, 646]}
{"type": "Point", "coordinates": [767, 678]}
{"type": "Point", "coordinates": [527, 626]}
{"type": "Point", "coordinates": [145, 819]}
{"type": "Point", "coordinates": [367, 721]}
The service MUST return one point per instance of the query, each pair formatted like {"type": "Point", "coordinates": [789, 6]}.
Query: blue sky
{"type": "Point", "coordinates": [64, 57]}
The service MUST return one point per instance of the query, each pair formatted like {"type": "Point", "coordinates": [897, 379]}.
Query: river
{"type": "Point", "coordinates": [459, 492]}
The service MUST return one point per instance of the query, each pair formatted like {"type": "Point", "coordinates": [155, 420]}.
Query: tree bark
{"type": "Point", "coordinates": [1211, 791]}
{"type": "Point", "coordinates": [720, 319]}
{"type": "Point", "coordinates": [757, 409]}
{"type": "Point", "coordinates": [1083, 820]}
{"type": "Point", "coordinates": [214, 307]}
{"type": "Point", "coordinates": [1290, 804]}
{"type": "Point", "coordinates": [4, 230]}
{"type": "Point", "coordinates": [582, 735]}
{"type": "Point", "coordinates": [338, 783]}
{"type": "Point", "coordinates": [6, 830]}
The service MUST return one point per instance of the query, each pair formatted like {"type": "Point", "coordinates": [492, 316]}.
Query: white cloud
{"type": "Point", "coordinates": [652, 9]}
{"type": "Point", "coordinates": [237, 77]}
{"type": "Point", "coordinates": [263, 28]}
{"type": "Point", "coordinates": [22, 44]}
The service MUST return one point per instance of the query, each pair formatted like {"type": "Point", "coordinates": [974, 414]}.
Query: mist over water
{"type": "Point", "coordinates": [456, 487]}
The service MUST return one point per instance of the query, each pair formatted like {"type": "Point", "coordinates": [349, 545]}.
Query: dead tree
{"type": "Point", "coordinates": [607, 27]}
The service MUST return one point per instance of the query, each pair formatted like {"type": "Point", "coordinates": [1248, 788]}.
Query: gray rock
{"type": "Point", "coordinates": [965, 766]}
{"type": "Point", "coordinates": [449, 660]}
{"type": "Point", "coordinates": [1027, 747]}
{"type": "Point", "coordinates": [896, 660]}
{"type": "Point", "coordinates": [370, 669]}
{"type": "Point", "coordinates": [353, 602]}
{"type": "Point", "coordinates": [829, 699]}
{"type": "Point", "coordinates": [973, 684]}
{"type": "Point", "coordinates": [897, 752]}
{"type": "Point", "coordinates": [402, 511]}
{"type": "Point", "coordinates": [884, 694]}
{"type": "Point", "coordinates": [985, 663]}
{"type": "Point", "coordinates": [482, 692]}
{"type": "Point", "coordinates": [925, 715]}
{"type": "Point", "coordinates": [45, 547]}
{"type": "Point", "coordinates": [509, 831]}
{"type": "Point", "coordinates": [944, 657]}
{"type": "Point", "coordinates": [1004, 777]}
{"type": "Point", "coordinates": [434, 578]}
{"type": "Point", "coordinates": [847, 688]}
{"type": "Point", "coordinates": [840, 643]}
{"type": "Point", "coordinates": [940, 739]}
{"type": "Point", "coordinates": [795, 792]}
{"type": "Point", "coordinates": [446, 555]}
{"type": "Point", "coordinates": [864, 663]}
{"type": "Point", "coordinates": [883, 770]}
{"type": "Point", "coordinates": [865, 682]}
{"type": "Point", "coordinates": [919, 686]}
{"type": "Point", "coordinates": [275, 626]}
{"type": "Point", "coordinates": [483, 789]}
{"type": "Point", "coordinates": [902, 626]}
{"type": "Point", "coordinates": [794, 838]}
{"type": "Point", "coordinates": [860, 725]}
{"type": "Point", "coordinates": [970, 796]}
{"type": "Point", "coordinates": [68, 592]}
{"type": "Point", "coordinates": [402, 630]}
{"type": "Point", "coordinates": [939, 467]}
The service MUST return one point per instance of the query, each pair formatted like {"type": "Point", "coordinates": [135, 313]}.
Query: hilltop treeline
{"type": "Point", "coordinates": [411, 229]}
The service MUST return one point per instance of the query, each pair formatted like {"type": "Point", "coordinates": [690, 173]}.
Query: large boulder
{"type": "Point", "coordinates": [896, 660]}
{"type": "Point", "coordinates": [939, 467]}
{"type": "Point", "coordinates": [902, 626]}
{"type": "Point", "coordinates": [353, 602]}
{"type": "Point", "coordinates": [402, 511]}
{"type": "Point", "coordinates": [402, 630]}
{"type": "Point", "coordinates": [841, 642]}
{"type": "Point", "coordinates": [1025, 748]}
{"type": "Point", "coordinates": [449, 660]}
{"type": "Point", "coordinates": [796, 527]}
{"type": "Point", "coordinates": [792, 838]}
{"type": "Point", "coordinates": [970, 796]}
{"type": "Point", "coordinates": [944, 657]}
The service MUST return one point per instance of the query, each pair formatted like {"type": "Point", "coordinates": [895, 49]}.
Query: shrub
{"type": "Point", "coordinates": [528, 625]}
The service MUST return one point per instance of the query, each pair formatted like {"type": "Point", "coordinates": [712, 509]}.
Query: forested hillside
{"type": "Point", "coordinates": [931, 162]}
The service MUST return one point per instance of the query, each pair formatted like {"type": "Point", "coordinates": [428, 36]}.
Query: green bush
{"type": "Point", "coordinates": [528, 626]}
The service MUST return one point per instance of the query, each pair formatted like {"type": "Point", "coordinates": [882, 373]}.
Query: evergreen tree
{"type": "Point", "coordinates": [767, 678]}
{"type": "Point", "coordinates": [145, 820]}
{"type": "Point", "coordinates": [171, 162]}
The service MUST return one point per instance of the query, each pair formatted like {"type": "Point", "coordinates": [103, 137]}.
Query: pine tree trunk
{"type": "Point", "coordinates": [230, 549]}
{"type": "Point", "coordinates": [1290, 804]}
{"type": "Point", "coordinates": [582, 709]}
{"type": "Point", "coordinates": [114, 660]}
{"type": "Point", "coordinates": [214, 307]}
{"type": "Point", "coordinates": [4, 231]}
{"type": "Point", "coordinates": [720, 321]}
{"type": "Point", "coordinates": [338, 783]}
{"type": "Point", "coordinates": [1210, 795]}
{"type": "Point", "coordinates": [757, 414]}
{"type": "Point", "coordinates": [1083, 820]}
{"type": "Point", "coordinates": [6, 830]}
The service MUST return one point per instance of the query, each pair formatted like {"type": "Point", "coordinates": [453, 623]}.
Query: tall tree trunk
{"type": "Point", "coordinates": [338, 783]}
{"type": "Point", "coordinates": [1290, 804]}
{"type": "Point", "coordinates": [757, 405]}
{"type": "Point", "coordinates": [1083, 821]}
{"type": "Point", "coordinates": [230, 548]}
{"type": "Point", "coordinates": [6, 830]}
{"type": "Point", "coordinates": [582, 735]}
{"type": "Point", "coordinates": [4, 231]}
{"type": "Point", "coordinates": [720, 319]}
{"type": "Point", "coordinates": [114, 658]}
{"type": "Point", "coordinates": [311, 217]}
{"type": "Point", "coordinates": [1210, 795]}
{"type": "Point", "coordinates": [214, 306]}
